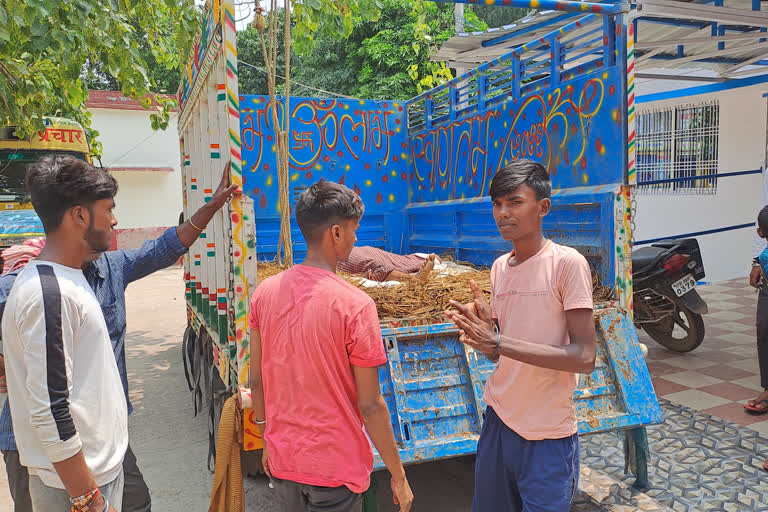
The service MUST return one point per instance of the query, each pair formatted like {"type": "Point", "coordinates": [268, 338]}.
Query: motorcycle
{"type": "Point", "coordinates": [667, 305]}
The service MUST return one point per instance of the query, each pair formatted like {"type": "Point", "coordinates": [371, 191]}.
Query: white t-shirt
{"type": "Point", "coordinates": [63, 384]}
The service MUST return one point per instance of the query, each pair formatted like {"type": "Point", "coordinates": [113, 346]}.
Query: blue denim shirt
{"type": "Point", "coordinates": [108, 276]}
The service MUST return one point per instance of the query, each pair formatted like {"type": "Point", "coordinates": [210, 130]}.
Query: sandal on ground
{"type": "Point", "coordinates": [757, 406]}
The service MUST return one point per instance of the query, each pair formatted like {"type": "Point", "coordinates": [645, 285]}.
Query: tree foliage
{"type": "Point", "coordinates": [497, 15]}
{"type": "Point", "coordinates": [387, 56]}
{"type": "Point", "coordinates": [162, 79]}
{"type": "Point", "coordinates": [46, 44]}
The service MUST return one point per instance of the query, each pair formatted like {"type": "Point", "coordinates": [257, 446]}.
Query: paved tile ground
{"type": "Point", "coordinates": [698, 462]}
{"type": "Point", "coordinates": [722, 374]}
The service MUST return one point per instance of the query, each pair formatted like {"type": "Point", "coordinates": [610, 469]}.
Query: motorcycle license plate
{"type": "Point", "coordinates": [684, 285]}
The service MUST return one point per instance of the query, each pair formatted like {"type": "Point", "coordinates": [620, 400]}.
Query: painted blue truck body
{"type": "Point", "coordinates": [423, 168]}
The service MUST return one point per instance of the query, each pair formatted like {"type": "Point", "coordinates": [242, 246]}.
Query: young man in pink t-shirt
{"type": "Point", "coordinates": [315, 351]}
{"type": "Point", "coordinates": [539, 327]}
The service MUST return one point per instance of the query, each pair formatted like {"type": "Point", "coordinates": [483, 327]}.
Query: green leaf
{"type": "Point", "coordinates": [76, 96]}
{"type": "Point", "coordinates": [39, 29]}
{"type": "Point", "coordinates": [4, 35]}
{"type": "Point", "coordinates": [3, 16]}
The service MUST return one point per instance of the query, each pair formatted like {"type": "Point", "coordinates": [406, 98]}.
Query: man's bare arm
{"type": "Point", "coordinates": [77, 478]}
{"type": "Point", "coordinates": [188, 232]}
{"type": "Point", "coordinates": [577, 357]}
{"type": "Point", "coordinates": [377, 422]}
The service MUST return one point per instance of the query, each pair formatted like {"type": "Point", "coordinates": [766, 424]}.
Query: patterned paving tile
{"type": "Point", "coordinates": [736, 326]}
{"type": "Point", "coordinates": [722, 355]}
{"type": "Point", "coordinates": [727, 315]}
{"type": "Point", "coordinates": [698, 462]}
{"type": "Point", "coordinates": [692, 379]}
{"type": "Point", "coordinates": [750, 364]}
{"type": "Point", "coordinates": [725, 305]}
{"type": "Point", "coordinates": [598, 491]}
{"type": "Point", "coordinates": [729, 391]}
{"type": "Point", "coordinates": [725, 366]}
{"type": "Point", "coordinates": [665, 387]}
{"type": "Point", "coordinates": [739, 338]}
{"type": "Point", "coordinates": [723, 372]}
{"type": "Point", "coordinates": [691, 363]}
{"type": "Point", "coordinates": [659, 369]}
{"type": "Point", "coordinates": [761, 427]}
{"type": "Point", "coordinates": [752, 382]}
{"type": "Point", "coordinates": [734, 412]}
{"type": "Point", "coordinates": [695, 399]}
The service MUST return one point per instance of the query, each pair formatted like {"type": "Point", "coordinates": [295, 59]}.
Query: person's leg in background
{"type": "Point", "coordinates": [18, 481]}
{"type": "Point", "coordinates": [135, 493]}
{"type": "Point", "coordinates": [759, 405]}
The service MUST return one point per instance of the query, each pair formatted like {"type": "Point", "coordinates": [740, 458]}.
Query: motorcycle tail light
{"type": "Point", "coordinates": [676, 262]}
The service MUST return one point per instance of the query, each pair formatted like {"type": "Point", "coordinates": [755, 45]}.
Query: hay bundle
{"type": "Point", "coordinates": [427, 301]}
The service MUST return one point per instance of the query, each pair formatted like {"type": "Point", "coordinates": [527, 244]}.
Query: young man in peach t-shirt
{"type": "Point", "coordinates": [315, 351]}
{"type": "Point", "coordinates": [539, 327]}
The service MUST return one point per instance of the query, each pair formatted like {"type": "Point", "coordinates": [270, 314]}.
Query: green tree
{"type": "Point", "coordinates": [496, 15]}
{"type": "Point", "coordinates": [386, 57]}
{"type": "Point", "coordinates": [162, 79]}
{"type": "Point", "coordinates": [46, 44]}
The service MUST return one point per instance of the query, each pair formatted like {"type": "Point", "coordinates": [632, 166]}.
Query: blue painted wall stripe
{"type": "Point", "coordinates": [705, 177]}
{"type": "Point", "coordinates": [703, 89]}
{"type": "Point", "coordinates": [697, 233]}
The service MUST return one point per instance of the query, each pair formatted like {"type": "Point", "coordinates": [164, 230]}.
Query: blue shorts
{"type": "Point", "coordinates": [513, 474]}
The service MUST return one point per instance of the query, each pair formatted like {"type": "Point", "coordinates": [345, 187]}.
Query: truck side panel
{"type": "Point", "coordinates": [434, 385]}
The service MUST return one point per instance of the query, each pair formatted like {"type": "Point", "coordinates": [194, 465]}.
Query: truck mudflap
{"type": "Point", "coordinates": [433, 385]}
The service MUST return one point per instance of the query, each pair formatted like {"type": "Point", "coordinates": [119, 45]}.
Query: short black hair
{"type": "Point", "coordinates": [762, 221]}
{"type": "Point", "coordinates": [57, 183]}
{"type": "Point", "coordinates": [324, 204]}
{"type": "Point", "coordinates": [521, 172]}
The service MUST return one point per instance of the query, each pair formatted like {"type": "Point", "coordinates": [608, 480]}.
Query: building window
{"type": "Point", "coordinates": [676, 143]}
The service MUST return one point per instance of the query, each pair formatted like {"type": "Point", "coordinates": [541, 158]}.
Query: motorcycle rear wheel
{"type": "Point", "coordinates": [691, 324]}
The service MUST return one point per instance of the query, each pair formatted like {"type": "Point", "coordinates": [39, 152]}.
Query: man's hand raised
{"type": "Point", "coordinates": [225, 190]}
{"type": "Point", "coordinates": [475, 322]}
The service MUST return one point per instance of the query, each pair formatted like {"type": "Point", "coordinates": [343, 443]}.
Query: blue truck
{"type": "Point", "coordinates": [423, 168]}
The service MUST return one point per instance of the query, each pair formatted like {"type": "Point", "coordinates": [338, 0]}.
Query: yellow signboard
{"type": "Point", "coordinates": [60, 134]}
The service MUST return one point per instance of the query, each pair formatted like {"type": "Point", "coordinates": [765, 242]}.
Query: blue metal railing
{"type": "Point", "coordinates": [558, 5]}
{"type": "Point", "coordinates": [575, 49]}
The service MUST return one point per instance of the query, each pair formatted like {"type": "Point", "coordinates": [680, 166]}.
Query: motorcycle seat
{"type": "Point", "coordinates": [645, 257]}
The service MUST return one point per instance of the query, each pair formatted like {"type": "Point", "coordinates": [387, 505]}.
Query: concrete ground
{"type": "Point", "coordinates": [172, 445]}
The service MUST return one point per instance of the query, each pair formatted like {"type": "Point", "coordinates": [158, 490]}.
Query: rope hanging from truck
{"type": "Point", "coordinates": [281, 131]}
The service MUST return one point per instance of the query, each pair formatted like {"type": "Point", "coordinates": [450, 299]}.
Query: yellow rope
{"type": "Point", "coordinates": [227, 494]}
{"type": "Point", "coordinates": [285, 200]}
{"type": "Point", "coordinates": [285, 244]}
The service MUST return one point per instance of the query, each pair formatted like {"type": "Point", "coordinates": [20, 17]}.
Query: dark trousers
{"type": "Point", "coordinates": [298, 497]}
{"type": "Point", "coordinates": [513, 474]}
{"type": "Point", "coordinates": [762, 336]}
{"type": "Point", "coordinates": [135, 492]}
{"type": "Point", "coordinates": [18, 481]}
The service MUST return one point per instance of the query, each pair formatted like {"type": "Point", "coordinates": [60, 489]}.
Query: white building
{"type": "Point", "coordinates": [145, 163]}
{"type": "Point", "coordinates": [721, 127]}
